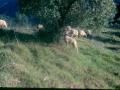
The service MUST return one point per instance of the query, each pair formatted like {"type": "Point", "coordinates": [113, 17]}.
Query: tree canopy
{"type": "Point", "coordinates": [55, 14]}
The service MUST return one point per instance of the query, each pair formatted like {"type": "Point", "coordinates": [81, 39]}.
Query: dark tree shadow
{"type": "Point", "coordinates": [11, 35]}
{"type": "Point", "coordinates": [113, 33]}
{"type": "Point", "coordinates": [113, 48]}
{"type": "Point", "coordinates": [106, 40]}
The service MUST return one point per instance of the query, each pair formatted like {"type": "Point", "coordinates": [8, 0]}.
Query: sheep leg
{"type": "Point", "coordinates": [76, 47]}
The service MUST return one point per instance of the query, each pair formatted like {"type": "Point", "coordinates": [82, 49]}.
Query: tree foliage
{"type": "Point", "coordinates": [58, 13]}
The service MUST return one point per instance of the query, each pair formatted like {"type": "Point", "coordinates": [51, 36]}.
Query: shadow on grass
{"type": "Point", "coordinates": [106, 40]}
{"type": "Point", "coordinates": [113, 33]}
{"type": "Point", "coordinates": [113, 48]}
{"type": "Point", "coordinates": [10, 35]}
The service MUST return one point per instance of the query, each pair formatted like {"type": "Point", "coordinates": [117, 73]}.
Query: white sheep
{"type": "Point", "coordinates": [71, 31]}
{"type": "Point", "coordinates": [40, 27]}
{"type": "Point", "coordinates": [88, 32]}
{"type": "Point", "coordinates": [3, 24]}
{"type": "Point", "coordinates": [82, 33]}
{"type": "Point", "coordinates": [71, 40]}
{"type": "Point", "coordinates": [74, 32]}
{"type": "Point", "coordinates": [68, 30]}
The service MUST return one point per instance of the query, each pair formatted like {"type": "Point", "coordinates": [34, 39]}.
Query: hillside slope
{"type": "Point", "coordinates": [30, 63]}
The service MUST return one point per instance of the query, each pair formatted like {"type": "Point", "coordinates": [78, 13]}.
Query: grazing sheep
{"type": "Point", "coordinates": [74, 32]}
{"type": "Point", "coordinates": [82, 33]}
{"type": "Point", "coordinates": [3, 24]}
{"type": "Point", "coordinates": [68, 31]}
{"type": "Point", "coordinates": [70, 40]}
{"type": "Point", "coordinates": [68, 28]}
{"type": "Point", "coordinates": [40, 27]}
{"type": "Point", "coordinates": [88, 32]}
{"type": "Point", "coordinates": [71, 32]}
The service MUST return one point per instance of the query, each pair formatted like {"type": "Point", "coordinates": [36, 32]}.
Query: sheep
{"type": "Point", "coordinates": [74, 32]}
{"type": "Point", "coordinates": [82, 33]}
{"type": "Point", "coordinates": [88, 32]}
{"type": "Point", "coordinates": [68, 28]}
{"type": "Point", "coordinates": [68, 31]}
{"type": "Point", "coordinates": [71, 32]}
{"type": "Point", "coordinates": [40, 27]}
{"type": "Point", "coordinates": [3, 24]}
{"type": "Point", "coordinates": [71, 40]}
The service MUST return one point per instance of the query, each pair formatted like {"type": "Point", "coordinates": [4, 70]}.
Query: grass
{"type": "Point", "coordinates": [30, 63]}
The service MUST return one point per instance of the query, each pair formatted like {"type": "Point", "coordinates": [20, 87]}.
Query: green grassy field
{"type": "Point", "coordinates": [31, 63]}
